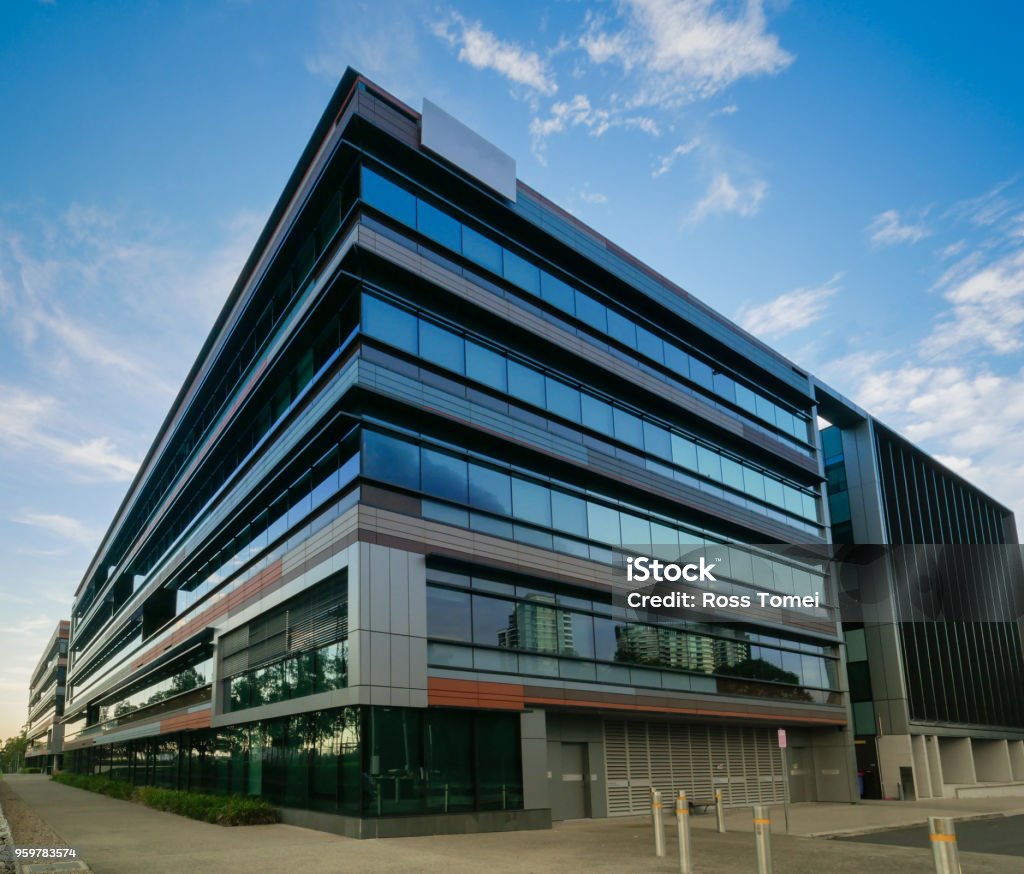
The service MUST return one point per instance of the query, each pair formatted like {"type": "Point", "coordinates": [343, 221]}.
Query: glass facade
{"type": "Point", "coordinates": [671, 451]}
{"type": "Point", "coordinates": [356, 761]}
{"type": "Point", "coordinates": [682, 367]}
{"type": "Point", "coordinates": [482, 622]}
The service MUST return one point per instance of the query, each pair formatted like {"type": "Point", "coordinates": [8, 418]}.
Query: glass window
{"type": "Point", "coordinates": [622, 328]}
{"type": "Point", "coordinates": [732, 474]}
{"type": "Point", "coordinates": [444, 476]}
{"type": "Point", "coordinates": [556, 292]}
{"type": "Point", "coordinates": [725, 387]}
{"type": "Point", "coordinates": [439, 227]}
{"type": "Point", "coordinates": [491, 620]}
{"type": "Point", "coordinates": [677, 360]}
{"type": "Point", "coordinates": [765, 409]}
{"type": "Point", "coordinates": [810, 506]}
{"type": "Point", "coordinates": [448, 615]}
{"type": "Point", "coordinates": [746, 399]}
{"type": "Point", "coordinates": [389, 198]}
{"type": "Point", "coordinates": [596, 414]}
{"type": "Point", "coordinates": [628, 428]}
{"type": "Point", "coordinates": [531, 502]}
{"type": "Point", "coordinates": [569, 513]}
{"type": "Point", "coordinates": [657, 440]}
{"type": "Point", "coordinates": [709, 463]}
{"type": "Point", "coordinates": [684, 452]}
{"type": "Point", "coordinates": [521, 272]}
{"type": "Point", "coordinates": [442, 347]}
{"type": "Point", "coordinates": [592, 313]}
{"type": "Point", "coordinates": [753, 483]}
{"type": "Point", "coordinates": [499, 761]}
{"type": "Point", "coordinates": [525, 383]}
{"type": "Point", "coordinates": [603, 523]}
{"type": "Point", "coordinates": [391, 460]}
{"type": "Point", "coordinates": [478, 248]}
{"type": "Point", "coordinates": [650, 344]}
{"type": "Point", "coordinates": [576, 635]}
{"type": "Point", "coordinates": [486, 366]}
{"type": "Point", "coordinates": [794, 500]}
{"type": "Point", "coordinates": [700, 373]}
{"type": "Point", "coordinates": [563, 400]}
{"type": "Point", "coordinates": [390, 324]}
{"type": "Point", "coordinates": [450, 786]}
{"type": "Point", "coordinates": [636, 532]}
{"type": "Point", "coordinates": [490, 490]}
{"type": "Point", "coordinates": [774, 492]}
{"type": "Point", "coordinates": [394, 781]}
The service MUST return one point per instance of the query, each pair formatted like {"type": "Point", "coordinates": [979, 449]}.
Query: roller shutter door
{"type": "Point", "coordinates": [742, 761]}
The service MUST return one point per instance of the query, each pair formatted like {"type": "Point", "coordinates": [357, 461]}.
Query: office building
{"type": "Point", "coordinates": [368, 568]}
{"type": "Point", "coordinates": [46, 703]}
{"type": "Point", "coordinates": [933, 632]}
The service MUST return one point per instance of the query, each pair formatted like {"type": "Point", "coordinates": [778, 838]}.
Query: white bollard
{"type": "Point", "coordinates": [720, 811]}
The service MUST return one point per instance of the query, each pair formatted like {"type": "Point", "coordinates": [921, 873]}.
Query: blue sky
{"type": "Point", "coordinates": [842, 179]}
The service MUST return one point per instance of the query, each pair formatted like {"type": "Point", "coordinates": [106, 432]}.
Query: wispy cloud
{"type": "Point", "coordinates": [673, 51]}
{"type": "Point", "coordinates": [63, 527]}
{"type": "Point", "coordinates": [593, 197]}
{"type": "Point", "coordinates": [888, 229]}
{"type": "Point", "coordinates": [723, 196]}
{"type": "Point", "coordinates": [987, 311]}
{"type": "Point", "coordinates": [666, 161]}
{"type": "Point", "coordinates": [483, 50]}
{"type": "Point", "coordinates": [31, 424]}
{"type": "Point", "coordinates": [789, 312]}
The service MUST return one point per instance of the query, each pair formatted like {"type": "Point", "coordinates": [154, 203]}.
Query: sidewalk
{"type": "Point", "coordinates": [117, 837]}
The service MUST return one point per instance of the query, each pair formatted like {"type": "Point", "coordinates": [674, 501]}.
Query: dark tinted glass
{"type": "Point", "coordinates": [390, 324]}
{"type": "Point", "coordinates": [478, 248]}
{"type": "Point", "coordinates": [440, 227]}
{"type": "Point", "coordinates": [442, 347]}
{"type": "Point", "coordinates": [389, 198]}
{"type": "Point", "coordinates": [444, 477]}
{"type": "Point", "coordinates": [521, 272]}
{"type": "Point", "coordinates": [448, 615]}
{"type": "Point", "coordinates": [391, 460]}
{"type": "Point", "coordinates": [556, 292]}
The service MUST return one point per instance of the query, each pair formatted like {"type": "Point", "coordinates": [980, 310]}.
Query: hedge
{"type": "Point", "coordinates": [218, 809]}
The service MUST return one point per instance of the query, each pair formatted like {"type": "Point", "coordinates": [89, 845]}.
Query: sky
{"type": "Point", "coordinates": [843, 180]}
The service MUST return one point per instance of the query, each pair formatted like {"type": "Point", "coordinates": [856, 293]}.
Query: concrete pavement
{"type": "Point", "coordinates": [117, 837]}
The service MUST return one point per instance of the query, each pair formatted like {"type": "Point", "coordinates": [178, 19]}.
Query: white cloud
{"type": "Point", "coordinates": [723, 197]}
{"type": "Point", "coordinates": [482, 50]}
{"type": "Point", "coordinates": [578, 112]}
{"type": "Point", "coordinates": [987, 310]}
{"type": "Point", "coordinates": [62, 526]}
{"type": "Point", "coordinates": [887, 229]}
{"type": "Point", "coordinates": [666, 161]}
{"type": "Point", "coordinates": [593, 197]}
{"type": "Point", "coordinates": [677, 50]}
{"type": "Point", "coordinates": [32, 425]}
{"type": "Point", "coordinates": [789, 312]}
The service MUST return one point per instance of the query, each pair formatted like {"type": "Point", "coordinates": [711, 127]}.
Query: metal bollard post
{"type": "Point", "coordinates": [942, 836]}
{"type": "Point", "coordinates": [683, 828]}
{"type": "Point", "coordinates": [659, 831]}
{"type": "Point", "coordinates": [763, 838]}
{"type": "Point", "coordinates": [720, 811]}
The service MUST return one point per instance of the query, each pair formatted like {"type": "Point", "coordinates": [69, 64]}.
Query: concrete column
{"type": "Point", "coordinates": [894, 752]}
{"type": "Point", "coordinates": [957, 760]}
{"type": "Point", "coordinates": [922, 773]}
{"type": "Point", "coordinates": [1016, 750]}
{"type": "Point", "coordinates": [992, 761]}
{"type": "Point", "coordinates": [934, 765]}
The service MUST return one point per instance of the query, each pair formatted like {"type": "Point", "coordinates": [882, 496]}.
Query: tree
{"type": "Point", "coordinates": [12, 753]}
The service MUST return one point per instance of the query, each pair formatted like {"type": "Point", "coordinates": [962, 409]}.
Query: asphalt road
{"type": "Point", "coordinates": [1003, 836]}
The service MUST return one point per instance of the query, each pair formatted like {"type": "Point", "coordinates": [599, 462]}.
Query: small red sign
{"type": "Point", "coordinates": [782, 738]}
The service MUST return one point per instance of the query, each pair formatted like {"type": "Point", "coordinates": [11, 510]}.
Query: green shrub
{"type": "Point", "coordinates": [218, 809]}
{"type": "Point", "coordinates": [32, 771]}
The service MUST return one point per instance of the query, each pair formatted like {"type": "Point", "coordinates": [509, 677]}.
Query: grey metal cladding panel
{"type": "Point", "coordinates": [507, 309]}
{"type": "Point", "coordinates": [376, 377]}
{"type": "Point", "coordinates": [448, 137]}
{"type": "Point", "coordinates": [382, 115]}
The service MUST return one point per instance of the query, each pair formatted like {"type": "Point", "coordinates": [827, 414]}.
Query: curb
{"type": "Point", "coordinates": [920, 823]}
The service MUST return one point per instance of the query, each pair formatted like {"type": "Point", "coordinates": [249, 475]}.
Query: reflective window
{"type": "Point", "coordinates": [486, 366]}
{"type": "Point", "coordinates": [390, 324]}
{"type": "Point", "coordinates": [483, 251]}
{"type": "Point", "coordinates": [628, 428]}
{"type": "Point", "coordinates": [569, 513]}
{"type": "Point", "coordinates": [555, 292]}
{"type": "Point", "coordinates": [389, 198]}
{"type": "Point", "coordinates": [531, 502]}
{"type": "Point", "coordinates": [526, 384]}
{"type": "Point", "coordinates": [448, 614]}
{"type": "Point", "coordinates": [592, 313]}
{"type": "Point", "coordinates": [596, 414]}
{"type": "Point", "coordinates": [445, 476]}
{"type": "Point", "coordinates": [391, 460]}
{"type": "Point", "coordinates": [563, 400]}
{"type": "Point", "coordinates": [438, 226]}
{"type": "Point", "coordinates": [491, 620]}
{"type": "Point", "coordinates": [490, 490]}
{"type": "Point", "coordinates": [442, 347]}
{"type": "Point", "coordinates": [521, 272]}
{"type": "Point", "coordinates": [622, 329]}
